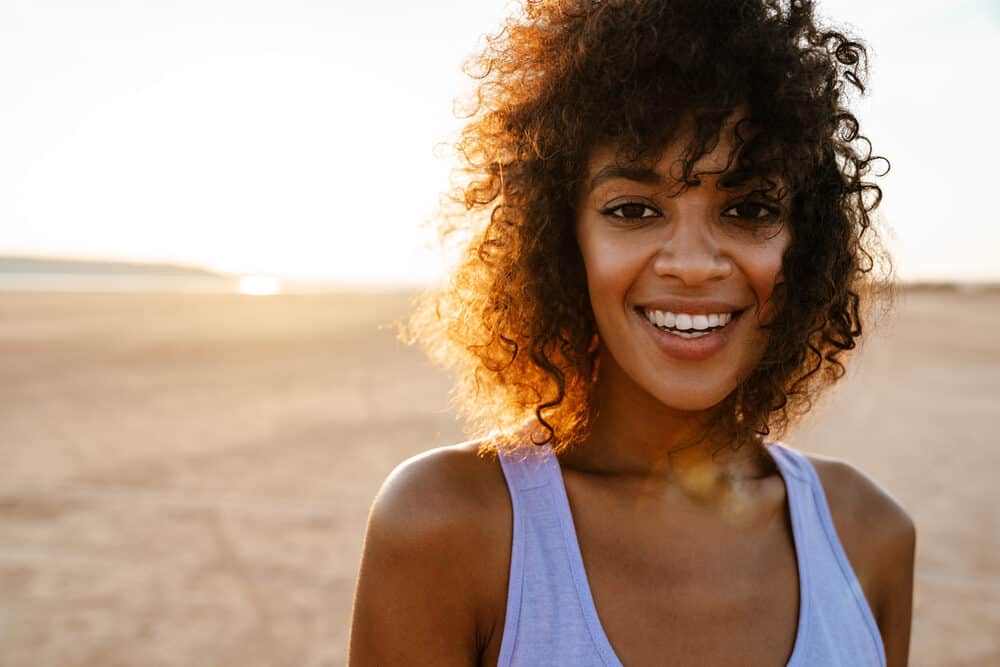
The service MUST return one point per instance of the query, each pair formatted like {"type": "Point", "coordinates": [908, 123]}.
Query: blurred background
{"type": "Point", "coordinates": [210, 220]}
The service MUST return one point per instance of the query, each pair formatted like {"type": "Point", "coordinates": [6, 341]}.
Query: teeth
{"type": "Point", "coordinates": [685, 321]}
{"type": "Point", "coordinates": [690, 334]}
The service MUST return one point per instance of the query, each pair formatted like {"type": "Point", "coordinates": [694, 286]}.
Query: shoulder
{"type": "Point", "coordinates": [436, 555]}
{"type": "Point", "coordinates": [436, 489]}
{"type": "Point", "coordinates": [451, 499]}
{"type": "Point", "coordinates": [862, 510]}
{"type": "Point", "coordinates": [878, 535]}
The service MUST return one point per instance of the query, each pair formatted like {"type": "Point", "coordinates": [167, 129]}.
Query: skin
{"type": "Point", "coordinates": [671, 536]}
{"type": "Point", "coordinates": [643, 243]}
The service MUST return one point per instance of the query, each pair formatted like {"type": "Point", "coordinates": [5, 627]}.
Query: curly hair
{"type": "Point", "coordinates": [514, 322]}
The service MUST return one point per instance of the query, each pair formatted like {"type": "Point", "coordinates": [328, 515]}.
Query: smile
{"type": "Point", "coordinates": [688, 325]}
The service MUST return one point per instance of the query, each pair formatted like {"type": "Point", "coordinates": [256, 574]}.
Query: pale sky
{"type": "Point", "coordinates": [296, 137]}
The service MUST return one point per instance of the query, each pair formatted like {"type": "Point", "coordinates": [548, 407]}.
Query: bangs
{"type": "Point", "coordinates": [755, 162]}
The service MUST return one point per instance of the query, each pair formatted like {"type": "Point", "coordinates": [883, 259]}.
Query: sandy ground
{"type": "Point", "coordinates": [185, 479]}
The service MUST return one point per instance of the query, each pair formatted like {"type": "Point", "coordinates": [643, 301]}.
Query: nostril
{"type": "Point", "coordinates": [692, 267]}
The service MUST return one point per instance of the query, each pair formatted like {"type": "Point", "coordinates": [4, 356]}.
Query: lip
{"type": "Point", "coordinates": [690, 349]}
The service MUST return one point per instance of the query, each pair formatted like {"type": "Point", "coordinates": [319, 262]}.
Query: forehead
{"type": "Point", "coordinates": [605, 166]}
{"type": "Point", "coordinates": [717, 159]}
{"type": "Point", "coordinates": [669, 162]}
{"type": "Point", "coordinates": [686, 160]}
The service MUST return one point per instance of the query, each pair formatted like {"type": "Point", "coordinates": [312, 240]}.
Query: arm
{"type": "Point", "coordinates": [419, 597]}
{"type": "Point", "coordinates": [895, 605]}
{"type": "Point", "coordinates": [879, 538]}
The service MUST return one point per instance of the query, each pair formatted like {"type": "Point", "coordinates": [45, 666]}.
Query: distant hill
{"type": "Point", "coordinates": [46, 265]}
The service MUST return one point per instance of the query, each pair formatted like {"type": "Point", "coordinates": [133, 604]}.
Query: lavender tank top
{"type": "Point", "coordinates": [551, 618]}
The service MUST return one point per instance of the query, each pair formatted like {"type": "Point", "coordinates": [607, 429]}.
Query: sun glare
{"type": "Point", "coordinates": [259, 285]}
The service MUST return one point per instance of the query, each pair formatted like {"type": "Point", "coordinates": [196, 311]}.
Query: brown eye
{"type": "Point", "coordinates": [749, 210]}
{"type": "Point", "coordinates": [632, 211]}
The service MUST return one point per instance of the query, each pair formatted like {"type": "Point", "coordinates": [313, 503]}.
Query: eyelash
{"type": "Point", "coordinates": [770, 211]}
{"type": "Point", "coordinates": [613, 211]}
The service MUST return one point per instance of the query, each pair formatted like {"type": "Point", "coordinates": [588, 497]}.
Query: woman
{"type": "Point", "coordinates": [668, 244]}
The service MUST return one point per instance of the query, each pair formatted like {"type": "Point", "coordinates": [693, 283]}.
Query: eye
{"type": "Point", "coordinates": [749, 210]}
{"type": "Point", "coordinates": [631, 211]}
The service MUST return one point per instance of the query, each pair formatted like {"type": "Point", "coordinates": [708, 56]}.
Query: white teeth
{"type": "Point", "coordinates": [690, 334]}
{"type": "Point", "coordinates": [686, 321]}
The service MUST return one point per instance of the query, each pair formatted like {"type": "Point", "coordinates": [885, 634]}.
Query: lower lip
{"type": "Point", "coordinates": [688, 349]}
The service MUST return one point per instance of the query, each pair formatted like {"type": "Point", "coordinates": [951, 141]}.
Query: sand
{"type": "Point", "coordinates": [185, 479]}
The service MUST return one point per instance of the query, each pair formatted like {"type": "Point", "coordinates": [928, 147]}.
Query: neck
{"type": "Point", "coordinates": [636, 437]}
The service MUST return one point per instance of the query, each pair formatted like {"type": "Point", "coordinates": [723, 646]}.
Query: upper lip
{"type": "Point", "coordinates": [690, 306]}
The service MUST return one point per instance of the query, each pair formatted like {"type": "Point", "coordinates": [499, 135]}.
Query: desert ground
{"type": "Point", "coordinates": [185, 478]}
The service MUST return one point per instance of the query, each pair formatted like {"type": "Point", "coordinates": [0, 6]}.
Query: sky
{"type": "Point", "coordinates": [297, 137]}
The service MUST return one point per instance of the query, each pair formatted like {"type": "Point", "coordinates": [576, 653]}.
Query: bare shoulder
{"type": "Point", "coordinates": [449, 499]}
{"type": "Point", "coordinates": [879, 538]}
{"type": "Point", "coordinates": [860, 503]}
{"type": "Point", "coordinates": [438, 490]}
{"type": "Point", "coordinates": [434, 560]}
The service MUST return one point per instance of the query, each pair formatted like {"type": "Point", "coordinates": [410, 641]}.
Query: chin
{"type": "Point", "coordinates": [687, 399]}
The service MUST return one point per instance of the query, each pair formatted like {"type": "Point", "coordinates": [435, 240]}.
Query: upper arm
{"type": "Point", "coordinates": [879, 538]}
{"type": "Point", "coordinates": [896, 606]}
{"type": "Point", "coordinates": [419, 598]}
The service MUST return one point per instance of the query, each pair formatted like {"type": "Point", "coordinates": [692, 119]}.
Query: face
{"type": "Point", "coordinates": [680, 280]}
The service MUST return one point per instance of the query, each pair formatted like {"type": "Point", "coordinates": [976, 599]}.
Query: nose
{"type": "Point", "coordinates": [691, 254]}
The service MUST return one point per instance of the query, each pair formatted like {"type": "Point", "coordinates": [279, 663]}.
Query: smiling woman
{"type": "Point", "coordinates": [668, 208]}
{"type": "Point", "coordinates": [720, 247]}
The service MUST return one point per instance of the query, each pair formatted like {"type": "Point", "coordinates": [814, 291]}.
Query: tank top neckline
{"type": "Point", "coordinates": [579, 573]}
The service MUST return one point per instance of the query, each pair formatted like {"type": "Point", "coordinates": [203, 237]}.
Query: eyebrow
{"type": "Point", "coordinates": [638, 174]}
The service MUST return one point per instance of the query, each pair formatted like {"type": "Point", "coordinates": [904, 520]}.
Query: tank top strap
{"type": "Point", "coordinates": [550, 617]}
{"type": "Point", "coordinates": [529, 467]}
{"type": "Point", "coordinates": [823, 563]}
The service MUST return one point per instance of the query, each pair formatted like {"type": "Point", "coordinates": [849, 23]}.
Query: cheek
{"type": "Point", "coordinates": [762, 267]}
{"type": "Point", "coordinates": [611, 266]}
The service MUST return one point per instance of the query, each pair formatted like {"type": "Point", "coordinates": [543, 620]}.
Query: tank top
{"type": "Point", "coordinates": [551, 618]}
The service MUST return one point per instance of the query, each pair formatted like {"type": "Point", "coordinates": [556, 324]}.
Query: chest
{"type": "Point", "coordinates": [698, 590]}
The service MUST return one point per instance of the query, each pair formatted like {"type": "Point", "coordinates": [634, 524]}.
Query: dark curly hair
{"type": "Point", "coordinates": [563, 76]}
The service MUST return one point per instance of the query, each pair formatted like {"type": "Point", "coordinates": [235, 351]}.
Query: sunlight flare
{"type": "Point", "coordinates": [259, 285]}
